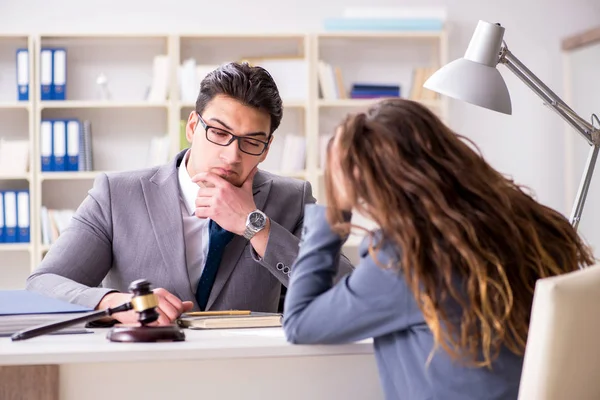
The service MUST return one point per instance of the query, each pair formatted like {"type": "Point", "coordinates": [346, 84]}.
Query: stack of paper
{"type": "Point", "coordinates": [251, 320]}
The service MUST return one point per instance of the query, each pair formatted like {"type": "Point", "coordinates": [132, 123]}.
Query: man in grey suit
{"type": "Point", "coordinates": [209, 230]}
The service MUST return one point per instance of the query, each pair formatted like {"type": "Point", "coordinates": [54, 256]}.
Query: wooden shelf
{"type": "Point", "coordinates": [243, 35]}
{"type": "Point", "coordinates": [130, 72]}
{"type": "Point", "coordinates": [15, 105]}
{"type": "Point", "coordinates": [381, 35]}
{"type": "Point", "coordinates": [365, 103]}
{"type": "Point", "coordinates": [101, 104]}
{"type": "Point", "coordinates": [70, 175]}
{"type": "Point", "coordinates": [17, 177]}
{"type": "Point", "coordinates": [15, 246]}
{"type": "Point", "coordinates": [286, 104]}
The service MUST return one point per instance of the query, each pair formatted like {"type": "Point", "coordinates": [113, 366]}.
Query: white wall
{"type": "Point", "coordinates": [583, 94]}
{"type": "Point", "coordinates": [529, 145]}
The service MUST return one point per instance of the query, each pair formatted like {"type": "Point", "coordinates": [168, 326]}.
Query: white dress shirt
{"type": "Point", "coordinates": [195, 230]}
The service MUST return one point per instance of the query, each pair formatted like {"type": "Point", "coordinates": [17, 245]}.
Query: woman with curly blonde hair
{"type": "Point", "coordinates": [445, 284]}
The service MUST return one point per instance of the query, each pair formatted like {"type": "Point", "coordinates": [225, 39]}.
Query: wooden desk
{"type": "Point", "coordinates": [223, 364]}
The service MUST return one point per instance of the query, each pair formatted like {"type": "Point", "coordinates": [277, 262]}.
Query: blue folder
{"type": "Point", "coordinates": [24, 302]}
{"type": "Point", "coordinates": [23, 74]}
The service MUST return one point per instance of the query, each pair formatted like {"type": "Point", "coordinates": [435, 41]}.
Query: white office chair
{"type": "Point", "coordinates": [562, 356]}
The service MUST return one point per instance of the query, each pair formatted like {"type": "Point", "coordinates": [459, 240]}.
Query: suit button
{"type": "Point", "coordinates": [280, 266]}
{"type": "Point", "coordinates": [286, 270]}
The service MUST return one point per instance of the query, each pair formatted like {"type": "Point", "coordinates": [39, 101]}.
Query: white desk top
{"type": "Point", "coordinates": [213, 344]}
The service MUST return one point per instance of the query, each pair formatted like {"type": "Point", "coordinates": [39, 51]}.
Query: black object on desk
{"type": "Point", "coordinates": [143, 302]}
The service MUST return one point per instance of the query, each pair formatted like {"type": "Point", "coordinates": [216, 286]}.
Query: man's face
{"type": "Point", "coordinates": [229, 162]}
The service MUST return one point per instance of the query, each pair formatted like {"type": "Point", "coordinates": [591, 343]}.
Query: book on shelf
{"type": "Point", "coordinates": [287, 153]}
{"type": "Point", "coordinates": [15, 216]}
{"type": "Point", "coordinates": [417, 13]}
{"type": "Point", "coordinates": [159, 88]}
{"type": "Point", "coordinates": [250, 320]}
{"type": "Point", "coordinates": [65, 145]}
{"type": "Point", "coordinates": [329, 82]}
{"type": "Point", "coordinates": [22, 64]}
{"type": "Point", "coordinates": [374, 91]}
{"type": "Point", "coordinates": [418, 92]}
{"type": "Point", "coordinates": [53, 223]}
{"type": "Point", "coordinates": [293, 157]}
{"type": "Point", "coordinates": [388, 19]}
{"type": "Point", "coordinates": [190, 75]}
{"type": "Point", "coordinates": [14, 157]}
{"type": "Point", "coordinates": [53, 73]}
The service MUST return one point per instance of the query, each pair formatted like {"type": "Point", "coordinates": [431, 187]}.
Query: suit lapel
{"type": "Point", "coordinates": [233, 251]}
{"type": "Point", "coordinates": [161, 193]}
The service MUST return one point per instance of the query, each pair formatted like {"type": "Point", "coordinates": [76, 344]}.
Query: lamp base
{"type": "Point", "coordinates": [169, 333]}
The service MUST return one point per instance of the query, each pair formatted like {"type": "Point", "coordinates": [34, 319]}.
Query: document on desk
{"type": "Point", "coordinates": [22, 309]}
{"type": "Point", "coordinates": [251, 320]}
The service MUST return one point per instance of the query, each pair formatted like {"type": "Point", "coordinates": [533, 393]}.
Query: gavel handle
{"type": "Point", "coordinates": [55, 326]}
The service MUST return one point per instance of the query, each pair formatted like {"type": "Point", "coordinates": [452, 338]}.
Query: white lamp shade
{"type": "Point", "coordinates": [472, 82]}
{"type": "Point", "coordinates": [474, 78]}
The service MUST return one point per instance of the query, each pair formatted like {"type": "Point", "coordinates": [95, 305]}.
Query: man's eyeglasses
{"type": "Point", "coordinates": [222, 137]}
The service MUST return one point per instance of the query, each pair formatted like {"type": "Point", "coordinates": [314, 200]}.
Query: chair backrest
{"type": "Point", "coordinates": [562, 356]}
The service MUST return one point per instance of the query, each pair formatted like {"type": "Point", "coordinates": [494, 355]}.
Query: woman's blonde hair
{"type": "Point", "coordinates": [466, 234]}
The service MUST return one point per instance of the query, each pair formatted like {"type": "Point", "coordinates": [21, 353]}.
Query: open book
{"type": "Point", "coordinates": [252, 320]}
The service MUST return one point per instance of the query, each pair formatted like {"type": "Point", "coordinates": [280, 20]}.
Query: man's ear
{"type": "Point", "coordinates": [264, 155]}
{"type": "Point", "coordinates": [190, 127]}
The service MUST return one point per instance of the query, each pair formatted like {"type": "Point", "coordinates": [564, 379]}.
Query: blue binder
{"type": "Point", "coordinates": [1, 217]}
{"type": "Point", "coordinates": [46, 74]}
{"type": "Point", "coordinates": [23, 216]}
{"type": "Point", "coordinates": [23, 302]}
{"type": "Point", "coordinates": [10, 216]}
{"type": "Point", "coordinates": [59, 145]}
{"type": "Point", "coordinates": [46, 145]}
{"type": "Point", "coordinates": [59, 74]}
{"type": "Point", "coordinates": [23, 74]}
{"type": "Point", "coordinates": [73, 145]}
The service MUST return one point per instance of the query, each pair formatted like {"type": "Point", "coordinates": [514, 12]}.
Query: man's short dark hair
{"type": "Point", "coordinates": [250, 85]}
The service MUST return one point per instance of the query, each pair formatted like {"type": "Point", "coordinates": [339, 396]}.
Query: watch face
{"type": "Point", "coordinates": [257, 220]}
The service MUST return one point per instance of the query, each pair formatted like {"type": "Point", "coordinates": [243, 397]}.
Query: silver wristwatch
{"type": "Point", "coordinates": [256, 222]}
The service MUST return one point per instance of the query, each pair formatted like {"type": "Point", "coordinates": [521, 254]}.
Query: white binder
{"type": "Point", "coordinates": [23, 216]}
{"type": "Point", "coordinates": [46, 146]}
{"type": "Point", "coordinates": [59, 73]}
{"type": "Point", "coordinates": [23, 74]}
{"type": "Point", "coordinates": [10, 216]}
{"type": "Point", "coordinates": [59, 145]}
{"type": "Point", "coordinates": [46, 74]}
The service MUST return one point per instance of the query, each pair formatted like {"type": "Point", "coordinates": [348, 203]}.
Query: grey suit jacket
{"type": "Point", "coordinates": [130, 227]}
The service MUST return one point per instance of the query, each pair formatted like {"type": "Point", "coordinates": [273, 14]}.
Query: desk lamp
{"type": "Point", "coordinates": [475, 79]}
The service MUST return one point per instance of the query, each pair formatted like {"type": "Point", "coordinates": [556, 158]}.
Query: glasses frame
{"type": "Point", "coordinates": [233, 138]}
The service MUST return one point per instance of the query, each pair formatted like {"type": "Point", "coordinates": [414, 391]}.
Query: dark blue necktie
{"type": "Point", "coordinates": [218, 239]}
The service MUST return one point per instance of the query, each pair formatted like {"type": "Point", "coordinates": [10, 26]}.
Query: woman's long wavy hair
{"type": "Point", "coordinates": [454, 219]}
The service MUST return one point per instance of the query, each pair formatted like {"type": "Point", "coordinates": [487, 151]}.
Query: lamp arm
{"type": "Point", "coordinates": [584, 128]}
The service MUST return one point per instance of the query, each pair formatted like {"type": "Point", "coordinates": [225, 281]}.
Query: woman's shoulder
{"type": "Point", "coordinates": [385, 251]}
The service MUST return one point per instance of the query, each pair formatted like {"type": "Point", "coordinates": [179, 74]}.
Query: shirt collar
{"type": "Point", "coordinates": [187, 188]}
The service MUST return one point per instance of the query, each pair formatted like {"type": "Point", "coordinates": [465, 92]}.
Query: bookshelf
{"type": "Point", "coordinates": [124, 124]}
{"type": "Point", "coordinates": [16, 123]}
{"type": "Point", "coordinates": [380, 58]}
